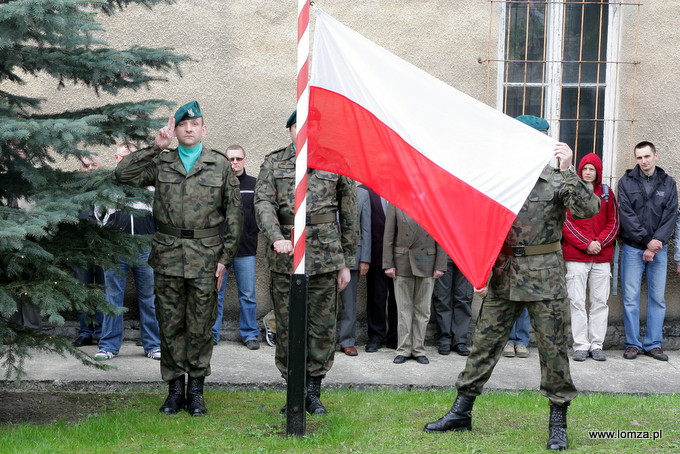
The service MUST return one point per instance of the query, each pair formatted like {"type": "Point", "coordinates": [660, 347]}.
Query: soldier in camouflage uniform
{"type": "Point", "coordinates": [196, 191]}
{"type": "Point", "coordinates": [332, 237]}
{"type": "Point", "coordinates": [529, 272]}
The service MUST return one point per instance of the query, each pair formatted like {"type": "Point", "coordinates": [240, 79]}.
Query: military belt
{"type": "Point", "coordinates": [190, 234]}
{"type": "Point", "coordinates": [523, 251]}
{"type": "Point", "coordinates": [311, 219]}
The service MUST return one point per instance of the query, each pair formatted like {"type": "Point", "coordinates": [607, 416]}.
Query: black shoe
{"type": "Point", "coordinates": [444, 349]}
{"type": "Point", "coordinates": [82, 340]}
{"type": "Point", "coordinates": [313, 403]}
{"type": "Point", "coordinates": [253, 344]}
{"type": "Point", "coordinates": [399, 359]}
{"type": "Point", "coordinates": [557, 440]}
{"type": "Point", "coordinates": [458, 418]}
{"type": "Point", "coordinates": [422, 359]}
{"type": "Point", "coordinates": [176, 399]}
{"type": "Point", "coordinates": [461, 349]}
{"type": "Point", "coordinates": [372, 347]}
{"type": "Point", "coordinates": [392, 345]}
{"type": "Point", "coordinates": [195, 401]}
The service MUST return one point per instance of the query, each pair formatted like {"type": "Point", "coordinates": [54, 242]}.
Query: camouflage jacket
{"type": "Point", "coordinates": [205, 197]}
{"type": "Point", "coordinates": [329, 246]}
{"type": "Point", "coordinates": [542, 277]}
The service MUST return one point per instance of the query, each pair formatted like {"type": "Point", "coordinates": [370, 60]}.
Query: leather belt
{"type": "Point", "coordinates": [523, 251]}
{"type": "Point", "coordinates": [190, 234]}
{"type": "Point", "coordinates": [311, 219]}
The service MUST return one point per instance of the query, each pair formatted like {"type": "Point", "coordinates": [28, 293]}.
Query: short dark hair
{"type": "Point", "coordinates": [236, 147]}
{"type": "Point", "coordinates": [644, 144]}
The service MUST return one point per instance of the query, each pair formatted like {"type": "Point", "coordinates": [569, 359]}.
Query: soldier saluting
{"type": "Point", "coordinates": [529, 272]}
{"type": "Point", "coordinates": [332, 238]}
{"type": "Point", "coordinates": [196, 191]}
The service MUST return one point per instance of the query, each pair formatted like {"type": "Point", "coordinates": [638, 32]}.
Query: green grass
{"type": "Point", "coordinates": [358, 422]}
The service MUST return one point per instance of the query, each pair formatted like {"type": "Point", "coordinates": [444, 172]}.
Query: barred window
{"type": "Point", "coordinates": [558, 64]}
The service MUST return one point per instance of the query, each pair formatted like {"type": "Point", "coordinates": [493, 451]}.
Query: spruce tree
{"type": "Point", "coordinates": [41, 236]}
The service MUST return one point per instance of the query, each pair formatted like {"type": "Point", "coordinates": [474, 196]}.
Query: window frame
{"type": "Point", "coordinates": [553, 75]}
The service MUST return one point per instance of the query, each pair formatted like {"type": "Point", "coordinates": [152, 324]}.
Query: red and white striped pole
{"type": "Point", "coordinates": [297, 304]}
{"type": "Point", "coordinates": [300, 210]}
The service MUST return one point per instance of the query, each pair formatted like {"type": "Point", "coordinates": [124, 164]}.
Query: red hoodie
{"type": "Point", "coordinates": [603, 227]}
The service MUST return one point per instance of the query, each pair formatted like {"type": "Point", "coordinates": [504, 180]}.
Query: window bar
{"type": "Point", "coordinates": [508, 27]}
{"type": "Point", "coordinates": [526, 58]}
{"type": "Point", "coordinates": [558, 108]}
{"type": "Point", "coordinates": [578, 83]}
{"type": "Point", "coordinates": [543, 64]}
{"type": "Point", "coordinates": [488, 56]}
{"type": "Point", "coordinates": [597, 81]}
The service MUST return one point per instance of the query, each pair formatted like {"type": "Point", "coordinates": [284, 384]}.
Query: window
{"type": "Point", "coordinates": [559, 63]}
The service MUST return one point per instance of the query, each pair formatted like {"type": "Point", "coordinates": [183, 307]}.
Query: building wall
{"type": "Point", "coordinates": [243, 73]}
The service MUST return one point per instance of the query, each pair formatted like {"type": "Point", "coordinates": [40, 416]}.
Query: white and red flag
{"type": "Point", "coordinates": [458, 167]}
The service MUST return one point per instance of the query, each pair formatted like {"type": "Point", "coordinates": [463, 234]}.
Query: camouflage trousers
{"type": "Point", "coordinates": [549, 319]}
{"type": "Point", "coordinates": [322, 314]}
{"type": "Point", "coordinates": [186, 310]}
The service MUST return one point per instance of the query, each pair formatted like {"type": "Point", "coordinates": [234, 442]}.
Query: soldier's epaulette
{"type": "Point", "coordinates": [276, 151]}
{"type": "Point", "coordinates": [221, 153]}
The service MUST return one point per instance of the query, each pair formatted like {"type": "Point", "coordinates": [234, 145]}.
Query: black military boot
{"type": "Point", "coordinates": [175, 400]}
{"type": "Point", "coordinates": [313, 403]}
{"type": "Point", "coordinates": [558, 427]}
{"type": "Point", "coordinates": [195, 402]}
{"type": "Point", "coordinates": [458, 418]}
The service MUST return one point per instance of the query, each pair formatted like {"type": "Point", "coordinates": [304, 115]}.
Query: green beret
{"type": "Point", "coordinates": [535, 122]}
{"type": "Point", "coordinates": [187, 111]}
{"type": "Point", "coordinates": [291, 120]}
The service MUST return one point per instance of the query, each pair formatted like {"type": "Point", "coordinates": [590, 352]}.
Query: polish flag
{"type": "Point", "coordinates": [458, 167]}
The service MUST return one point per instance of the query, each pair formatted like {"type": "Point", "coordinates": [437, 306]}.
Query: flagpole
{"type": "Point", "coordinates": [297, 312]}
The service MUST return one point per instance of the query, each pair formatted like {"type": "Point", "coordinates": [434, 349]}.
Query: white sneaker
{"type": "Point", "coordinates": [103, 355]}
{"type": "Point", "coordinates": [155, 354]}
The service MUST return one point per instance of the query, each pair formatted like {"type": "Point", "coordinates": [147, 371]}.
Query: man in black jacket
{"type": "Point", "coordinates": [648, 209]}
{"type": "Point", "coordinates": [244, 262]}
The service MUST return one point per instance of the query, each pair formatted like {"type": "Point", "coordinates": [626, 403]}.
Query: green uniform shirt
{"type": "Point", "coordinates": [329, 246]}
{"type": "Point", "coordinates": [203, 198]}
{"type": "Point", "coordinates": [542, 277]}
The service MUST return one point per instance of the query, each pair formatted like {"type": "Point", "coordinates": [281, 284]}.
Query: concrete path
{"type": "Point", "coordinates": [234, 366]}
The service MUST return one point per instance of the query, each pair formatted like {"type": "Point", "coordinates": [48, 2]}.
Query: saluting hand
{"type": "Point", "coordinates": [165, 134]}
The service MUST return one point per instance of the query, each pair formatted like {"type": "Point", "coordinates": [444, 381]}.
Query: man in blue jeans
{"type": "Point", "coordinates": [244, 262]}
{"type": "Point", "coordinates": [648, 210]}
{"type": "Point", "coordinates": [116, 278]}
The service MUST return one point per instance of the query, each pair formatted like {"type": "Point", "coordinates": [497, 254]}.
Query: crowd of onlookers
{"type": "Point", "coordinates": [407, 274]}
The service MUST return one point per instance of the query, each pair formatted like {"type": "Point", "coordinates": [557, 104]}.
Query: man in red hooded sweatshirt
{"type": "Point", "coordinates": [588, 248]}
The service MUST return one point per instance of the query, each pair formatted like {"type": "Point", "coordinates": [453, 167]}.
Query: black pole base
{"type": "Point", "coordinates": [297, 356]}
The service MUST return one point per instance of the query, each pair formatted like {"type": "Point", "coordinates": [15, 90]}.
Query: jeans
{"type": "Point", "coordinates": [244, 270]}
{"type": "Point", "coordinates": [112, 330]}
{"type": "Point", "coordinates": [90, 324]}
{"type": "Point", "coordinates": [519, 335]}
{"type": "Point", "coordinates": [632, 267]}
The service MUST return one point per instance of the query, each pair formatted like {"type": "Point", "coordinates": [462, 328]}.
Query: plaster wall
{"type": "Point", "coordinates": [244, 70]}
